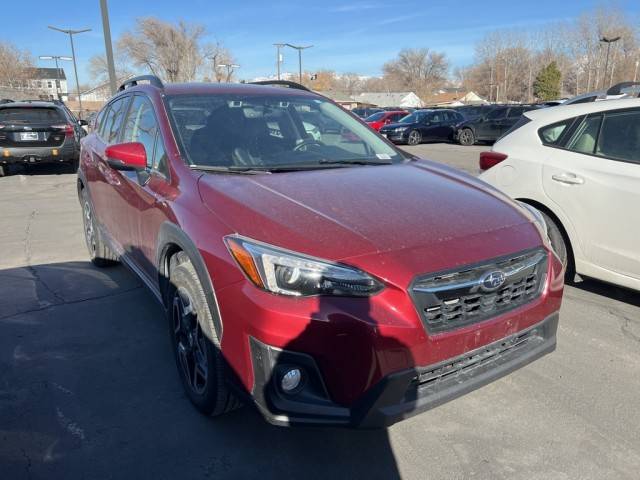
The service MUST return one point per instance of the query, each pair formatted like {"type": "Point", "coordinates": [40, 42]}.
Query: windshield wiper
{"type": "Point", "coordinates": [235, 169]}
{"type": "Point", "coordinates": [357, 161]}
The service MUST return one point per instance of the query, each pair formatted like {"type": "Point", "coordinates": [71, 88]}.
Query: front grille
{"type": "Point", "coordinates": [449, 371]}
{"type": "Point", "coordinates": [454, 299]}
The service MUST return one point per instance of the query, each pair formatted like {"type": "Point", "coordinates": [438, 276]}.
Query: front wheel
{"type": "Point", "coordinates": [195, 342]}
{"type": "Point", "coordinates": [466, 137]}
{"type": "Point", "coordinates": [414, 137]}
{"type": "Point", "coordinates": [99, 253]}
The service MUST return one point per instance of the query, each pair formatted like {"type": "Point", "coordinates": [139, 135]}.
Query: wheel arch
{"type": "Point", "coordinates": [171, 240]}
{"type": "Point", "coordinates": [563, 230]}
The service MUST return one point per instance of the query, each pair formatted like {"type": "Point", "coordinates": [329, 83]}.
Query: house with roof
{"type": "Point", "coordinates": [390, 99]}
{"type": "Point", "coordinates": [50, 82]}
{"type": "Point", "coordinates": [454, 97]}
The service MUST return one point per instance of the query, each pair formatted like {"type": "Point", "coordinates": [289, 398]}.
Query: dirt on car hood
{"type": "Point", "coordinates": [344, 212]}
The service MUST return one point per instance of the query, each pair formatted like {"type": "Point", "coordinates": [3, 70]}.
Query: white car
{"type": "Point", "coordinates": [580, 166]}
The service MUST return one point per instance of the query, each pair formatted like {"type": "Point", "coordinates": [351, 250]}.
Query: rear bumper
{"type": "Point", "coordinates": [15, 155]}
{"type": "Point", "coordinates": [397, 396]}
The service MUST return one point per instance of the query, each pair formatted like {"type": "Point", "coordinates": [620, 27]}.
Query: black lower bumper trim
{"type": "Point", "coordinates": [399, 395]}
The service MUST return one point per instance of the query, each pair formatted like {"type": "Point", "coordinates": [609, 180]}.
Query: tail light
{"type": "Point", "coordinates": [491, 159]}
{"type": "Point", "coordinates": [68, 129]}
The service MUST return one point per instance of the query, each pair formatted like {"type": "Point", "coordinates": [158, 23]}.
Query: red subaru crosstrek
{"type": "Point", "coordinates": [326, 281]}
{"type": "Point", "coordinates": [380, 119]}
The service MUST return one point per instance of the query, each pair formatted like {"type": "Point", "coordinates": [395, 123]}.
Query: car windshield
{"type": "Point", "coordinates": [415, 117]}
{"type": "Point", "coordinates": [271, 132]}
{"type": "Point", "coordinates": [375, 117]}
{"type": "Point", "coordinates": [30, 115]}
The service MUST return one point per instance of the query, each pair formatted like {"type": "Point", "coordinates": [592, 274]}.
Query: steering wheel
{"type": "Point", "coordinates": [306, 143]}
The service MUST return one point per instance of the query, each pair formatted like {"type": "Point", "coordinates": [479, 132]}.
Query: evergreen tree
{"type": "Point", "coordinates": [547, 83]}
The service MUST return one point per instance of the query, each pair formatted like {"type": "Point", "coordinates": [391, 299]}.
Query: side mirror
{"type": "Point", "coordinates": [127, 156]}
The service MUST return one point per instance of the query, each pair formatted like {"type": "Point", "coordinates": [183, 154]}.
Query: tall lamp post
{"type": "Point", "coordinates": [71, 33]}
{"type": "Point", "coordinates": [56, 58]}
{"type": "Point", "coordinates": [279, 56]}
{"type": "Point", "coordinates": [608, 41]}
{"type": "Point", "coordinates": [300, 49]}
{"type": "Point", "coordinates": [230, 68]}
{"type": "Point", "coordinates": [108, 47]}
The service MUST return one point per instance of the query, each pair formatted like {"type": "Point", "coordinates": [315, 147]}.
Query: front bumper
{"type": "Point", "coordinates": [395, 137]}
{"type": "Point", "coordinates": [398, 395]}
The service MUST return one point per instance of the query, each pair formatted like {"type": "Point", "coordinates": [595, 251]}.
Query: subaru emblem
{"type": "Point", "coordinates": [493, 280]}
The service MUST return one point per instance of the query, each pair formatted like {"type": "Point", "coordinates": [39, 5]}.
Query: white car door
{"type": "Point", "coordinates": [595, 182]}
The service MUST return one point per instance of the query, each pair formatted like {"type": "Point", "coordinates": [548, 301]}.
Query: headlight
{"type": "Point", "coordinates": [538, 221]}
{"type": "Point", "coordinates": [289, 273]}
{"type": "Point", "coordinates": [400, 129]}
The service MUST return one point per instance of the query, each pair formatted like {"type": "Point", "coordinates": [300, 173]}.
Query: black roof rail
{"type": "Point", "coordinates": [282, 83]}
{"type": "Point", "coordinates": [132, 82]}
{"type": "Point", "coordinates": [617, 89]}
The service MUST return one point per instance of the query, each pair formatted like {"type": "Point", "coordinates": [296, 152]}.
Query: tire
{"type": "Point", "coordinates": [560, 246]}
{"type": "Point", "coordinates": [3, 171]}
{"type": "Point", "coordinates": [414, 138]}
{"type": "Point", "coordinates": [99, 253]}
{"type": "Point", "coordinates": [466, 137]}
{"type": "Point", "coordinates": [196, 345]}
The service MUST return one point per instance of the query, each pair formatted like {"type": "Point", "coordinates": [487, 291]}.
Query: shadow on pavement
{"type": "Point", "coordinates": [44, 169]}
{"type": "Point", "coordinates": [608, 290]}
{"type": "Point", "coordinates": [89, 389]}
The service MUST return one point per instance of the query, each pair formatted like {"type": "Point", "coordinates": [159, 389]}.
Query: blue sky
{"type": "Point", "coordinates": [356, 35]}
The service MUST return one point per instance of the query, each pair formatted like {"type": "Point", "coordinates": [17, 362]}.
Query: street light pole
{"type": "Point", "coordinates": [229, 67]}
{"type": "Point", "coordinates": [299, 48]}
{"type": "Point", "coordinates": [113, 82]}
{"type": "Point", "coordinates": [56, 58]}
{"type": "Point", "coordinates": [608, 41]}
{"type": "Point", "coordinates": [635, 72]}
{"type": "Point", "coordinates": [278, 56]}
{"type": "Point", "coordinates": [71, 33]}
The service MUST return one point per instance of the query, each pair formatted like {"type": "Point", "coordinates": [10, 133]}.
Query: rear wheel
{"type": "Point", "coordinates": [195, 342]}
{"type": "Point", "coordinates": [466, 137]}
{"type": "Point", "coordinates": [414, 137]}
{"type": "Point", "coordinates": [99, 253]}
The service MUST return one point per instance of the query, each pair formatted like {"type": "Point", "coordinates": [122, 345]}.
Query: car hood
{"type": "Point", "coordinates": [391, 126]}
{"type": "Point", "coordinates": [345, 212]}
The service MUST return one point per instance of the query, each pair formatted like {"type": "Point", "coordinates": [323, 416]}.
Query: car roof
{"type": "Point", "coordinates": [29, 104]}
{"type": "Point", "coordinates": [226, 88]}
{"type": "Point", "coordinates": [561, 112]}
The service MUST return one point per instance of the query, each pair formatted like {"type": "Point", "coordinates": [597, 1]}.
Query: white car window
{"type": "Point", "coordinates": [550, 135]}
{"type": "Point", "coordinates": [620, 136]}
{"type": "Point", "coordinates": [584, 140]}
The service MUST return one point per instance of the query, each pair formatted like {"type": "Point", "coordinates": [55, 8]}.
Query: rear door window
{"type": "Point", "coordinates": [584, 140]}
{"type": "Point", "coordinates": [620, 136]}
{"type": "Point", "coordinates": [497, 114]}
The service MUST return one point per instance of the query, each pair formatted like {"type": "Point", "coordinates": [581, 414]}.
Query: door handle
{"type": "Point", "coordinates": [568, 178]}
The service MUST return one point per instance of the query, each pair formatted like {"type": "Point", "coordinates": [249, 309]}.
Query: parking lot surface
{"type": "Point", "coordinates": [89, 389]}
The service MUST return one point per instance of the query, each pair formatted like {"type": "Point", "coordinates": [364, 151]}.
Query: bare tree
{"type": "Point", "coordinates": [15, 66]}
{"type": "Point", "coordinates": [222, 61]}
{"type": "Point", "coordinates": [99, 70]}
{"type": "Point", "coordinates": [170, 51]}
{"type": "Point", "coordinates": [420, 70]}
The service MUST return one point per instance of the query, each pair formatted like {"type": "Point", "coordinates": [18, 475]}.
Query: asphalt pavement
{"type": "Point", "coordinates": [89, 389]}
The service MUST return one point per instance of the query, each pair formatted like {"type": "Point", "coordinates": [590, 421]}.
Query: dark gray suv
{"type": "Point", "coordinates": [38, 132]}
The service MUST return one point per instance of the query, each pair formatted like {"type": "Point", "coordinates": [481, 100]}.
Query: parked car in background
{"type": "Point", "coordinates": [469, 112]}
{"type": "Point", "coordinates": [287, 278]}
{"type": "Point", "coordinates": [380, 119]}
{"type": "Point", "coordinates": [580, 166]}
{"type": "Point", "coordinates": [491, 125]}
{"type": "Point", "coordinates": [5, 100]}
{"type": "Point", "coordinates": [36, 132]}
{"type": "Point", "coordinates": [423, 126]}
{"type": "Point", "coordinates": [366, 112]}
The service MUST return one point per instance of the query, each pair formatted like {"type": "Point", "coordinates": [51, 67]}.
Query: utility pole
{"type": "Point", "coordinates": [299, 48]}
{"type": "Point", "coordinates": [635, 73]}
{"type": "Point", "coordinates": [279, 56]}
{"type": "Point", "coordinates": [56, 58]}
{"type": "Point", "coordinates": [106, 29]}
{"type": "Point", "coordinates": [71, 33]}
{"type": "Point", "coordinates": [608, 41]}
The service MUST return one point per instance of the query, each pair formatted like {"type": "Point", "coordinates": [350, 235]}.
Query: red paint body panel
{"type": "Point", "coordinates": [386, 119]}
{"type": "Point", "coordinates": [394, 222]}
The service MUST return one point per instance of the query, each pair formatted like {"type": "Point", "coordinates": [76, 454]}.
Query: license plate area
{"type": "Point", "coordinates": [28, 136]}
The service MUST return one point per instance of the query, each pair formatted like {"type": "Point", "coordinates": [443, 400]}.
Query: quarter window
{"type": "Point", "coordinates": [620, 136]}
{"type": "Point", "coordinates": [551, 134]}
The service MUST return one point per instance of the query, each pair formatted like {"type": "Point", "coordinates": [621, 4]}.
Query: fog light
{"type": "Point", "coordinates": [291, 380]}
{"type": "Point", "coordinates": [6, 153]}
{"type": "Point", "coordinates": [54, 151]}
